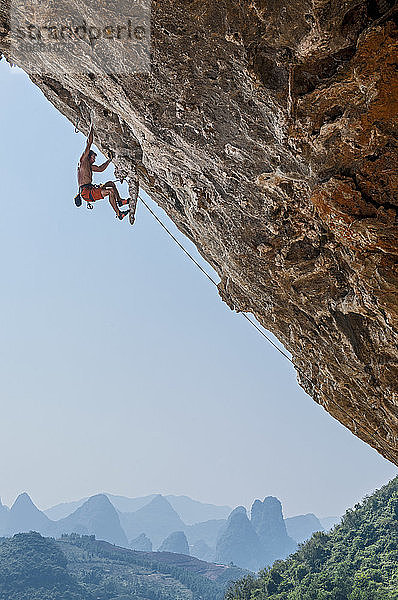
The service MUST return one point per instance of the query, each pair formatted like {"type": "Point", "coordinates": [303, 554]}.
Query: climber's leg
{"type": "Point", "coordinates": [110, 185]}
{"type": "Point", "coordinates": [112, 201]}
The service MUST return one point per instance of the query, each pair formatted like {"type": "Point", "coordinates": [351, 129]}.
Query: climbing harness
{"type": "Point", "coordinates": [260, 331]}
{"type": "Point", "coordinates": [78, 197]}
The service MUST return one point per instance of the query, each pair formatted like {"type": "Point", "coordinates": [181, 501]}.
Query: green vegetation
{"type": "Point", "coordinates": [110, 572]}
{"type": "Point", "coordinates": [34, 568]}
{"type": "Point", "coordinates": [358, 560]}
{"type": "Point", "coordinates": [82, 568]}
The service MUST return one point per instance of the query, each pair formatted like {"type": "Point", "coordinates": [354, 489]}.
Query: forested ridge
{"type": "Point", "coordinates": [81, 568]}
{"type": "Point", "coordinates": [358, 560]}
{"type": "Point", "coordinates": [34, 568]}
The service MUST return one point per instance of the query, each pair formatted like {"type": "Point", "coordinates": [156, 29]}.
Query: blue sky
{"type": "Point", "coordinates": [122, 371]}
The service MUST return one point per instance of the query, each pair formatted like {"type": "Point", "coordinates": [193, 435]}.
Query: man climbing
{"type": "Point", "coordinates": [90, 192]}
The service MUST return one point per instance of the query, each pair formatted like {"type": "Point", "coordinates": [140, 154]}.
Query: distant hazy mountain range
{"type": "Point", "coordinates": [96, 516]}
{"type": "Point", "coordinates": [190, 511]}
{"type": "Point", "coordinates": [300, 528]}
{"type": "Point", "coordinates": [171, 523]}
{"type": "Point", "coordinates": [157, 520]}
{"type": "Point", "coordinates": [258, 542]}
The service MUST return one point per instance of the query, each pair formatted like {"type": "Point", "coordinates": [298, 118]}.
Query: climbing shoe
{"type": "Point", "coordinates": [123, 202]}
{"type": "Point", "coordinates": [122, 214]}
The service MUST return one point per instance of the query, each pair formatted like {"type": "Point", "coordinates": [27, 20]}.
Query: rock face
{"type": "Point", "coordinates": [267, 130]}
{"type": "Point", "coordinates": [175, 542]}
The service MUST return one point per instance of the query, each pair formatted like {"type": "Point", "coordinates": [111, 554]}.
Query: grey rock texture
{"type": "Point", "coordinates": [267, 131]}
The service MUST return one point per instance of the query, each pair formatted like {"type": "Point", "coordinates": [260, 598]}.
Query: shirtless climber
{"type": "Point", "coordinates": [92, 193]}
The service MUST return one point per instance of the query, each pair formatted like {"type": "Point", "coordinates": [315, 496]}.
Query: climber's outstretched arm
{"type": "Point", "coordinates": [100, 168]}
{"type": "Point", "coordinates": [89, 143]}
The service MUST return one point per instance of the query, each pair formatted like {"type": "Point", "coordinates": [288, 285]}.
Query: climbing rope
{"type": "Point", "coordinates": [245, 316]}
{"type": "Point", "coordinates": [213, 281]}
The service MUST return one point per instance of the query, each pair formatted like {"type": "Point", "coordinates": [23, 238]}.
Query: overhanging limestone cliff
{"type": "Point", "coordinates": [268, 130]}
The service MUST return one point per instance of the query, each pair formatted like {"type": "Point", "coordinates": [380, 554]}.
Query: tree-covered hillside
{"type": "Point", "coordinates": [108, 572]}
{"type": "Point", "coordinates": [81, 568]}
{"type": "Point", "coordinates": [34, 568]}
{"type": "Point", "coordinates": [358, 560]}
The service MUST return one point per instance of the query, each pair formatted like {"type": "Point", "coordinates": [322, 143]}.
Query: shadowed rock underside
{"type": "Point", "coordinates": [267, 130]}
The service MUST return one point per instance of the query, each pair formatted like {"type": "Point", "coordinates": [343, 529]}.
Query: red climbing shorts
{"type": "Point", "coordinates": [90, 192]}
